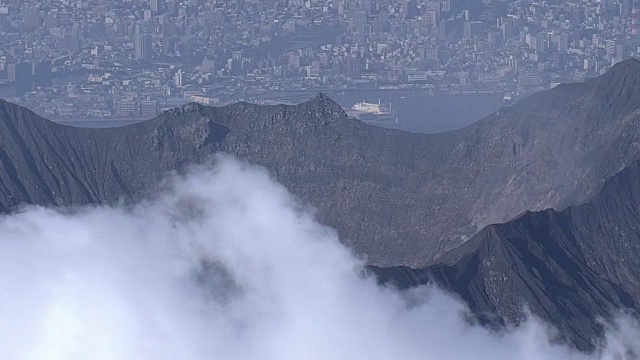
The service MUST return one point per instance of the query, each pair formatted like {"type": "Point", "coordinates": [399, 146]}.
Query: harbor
{"type": "Point", "coordinates": [417, 110]}
{"type": "Point", "coordinates": [374, 114]}
{"type": "Point", "coordinates": [410, 110]}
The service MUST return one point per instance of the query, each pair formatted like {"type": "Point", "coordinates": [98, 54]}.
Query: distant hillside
{"type": "Point", "coordinates": [398, 197]}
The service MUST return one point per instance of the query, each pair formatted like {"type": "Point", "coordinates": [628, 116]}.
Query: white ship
{"type": "Point", "coordinates": [374, 114]}
{"type": "Point", "coordinates": [509, 99]}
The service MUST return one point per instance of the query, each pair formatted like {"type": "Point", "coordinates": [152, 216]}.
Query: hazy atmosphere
{"type": "Point", "coordinates": [224, 263]}
{"type": "Point", "coordinates": [320, 179]}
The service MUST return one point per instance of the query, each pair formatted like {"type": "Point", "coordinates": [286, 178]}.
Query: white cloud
{"type": "Point", "coordinates": [123, 284]}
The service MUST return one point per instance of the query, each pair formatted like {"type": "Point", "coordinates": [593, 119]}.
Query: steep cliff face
{"type": "Point", "coordinates": [555, 148]}
{"type": "Point", "coordinates": [397, 197]}
{"type": "Point", "coordinates": [45, 163]}
{"type": "Point", "coordinates": [568, 267]}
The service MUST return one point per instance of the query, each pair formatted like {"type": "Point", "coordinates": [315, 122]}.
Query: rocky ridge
{"type": "Point", "coordinates": [398, 198]}
{"type": "Point", "coordinates": [569, 268]}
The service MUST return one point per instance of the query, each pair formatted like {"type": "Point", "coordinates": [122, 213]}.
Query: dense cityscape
{"type": "Point", "coordinates": [132, 58]}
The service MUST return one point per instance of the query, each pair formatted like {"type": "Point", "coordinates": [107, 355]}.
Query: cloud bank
{"type": "Point", "coordinates": [224, 264]}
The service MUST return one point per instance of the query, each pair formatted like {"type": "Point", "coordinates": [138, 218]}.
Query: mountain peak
{"type": "Point", "coordinates": [14, 113]}
{"type": "Point", "coordinates": [184, 109]}
{"type": "Point", "coordinates": [616, 93]}
{"type": "Point", "coordinates": [321, 101]}
{"type": "Point", "coordinates": [320, 97]}
{"type": "Point", "coordinates": [626, 67]}
{"type": "Point", "coordinates": [626, 72]}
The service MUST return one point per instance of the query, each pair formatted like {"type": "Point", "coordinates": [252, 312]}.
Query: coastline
{"type": "Point", "coordinates": [109, 118]}
{"type": "Point", "coordinates": [417, 110]}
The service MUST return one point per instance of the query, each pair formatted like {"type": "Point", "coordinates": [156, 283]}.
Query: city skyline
{"type": "Point", "coordinates": [97, 58]}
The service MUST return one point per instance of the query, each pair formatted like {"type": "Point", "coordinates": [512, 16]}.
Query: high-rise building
{"type": "Point", "coordinates": [625, 7]}
{"type": "Point", "coordinates": [610, 47]}
{"type": "Point", "coordinates": [563, 42]}
{"type": "Point", "coordinates": [471, 29]}
{"type": "Point", "coordinates": [154, 5]}
{"type": "Point", "coordinates": [125, 107]}
{"type": "Point", "coordinates": [177, 78]}
{"type": "Point", "coordinates": [148, 107]}
{"type": "Point", "coordinates": [143, 47]}
{"type": "Point", "coordinates": [635, 17]}
{"type": "Point", "coordinates": [21, 75]}
{"type": "Point", "coordinates": [42, 74]}
{"type": "Point", "coordinates": [622, 52]}
{"type": "Point", "coordinates": [169, 45]}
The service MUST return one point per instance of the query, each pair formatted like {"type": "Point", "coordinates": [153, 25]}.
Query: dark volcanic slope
{"type": "Point", "coordinates": [569, 267]}
{"type": "Point", "coordinates": [401, 198]}
{"type": "Point", "coordinates": [45, 163]}
{"type": "Point", "coordinates": [398, 197]}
